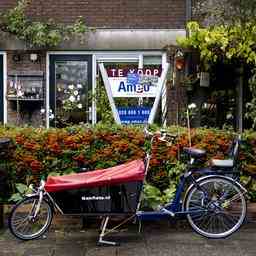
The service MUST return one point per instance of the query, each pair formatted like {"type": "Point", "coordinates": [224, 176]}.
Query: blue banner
{"type": "Point", "coordinates": [134, 115]}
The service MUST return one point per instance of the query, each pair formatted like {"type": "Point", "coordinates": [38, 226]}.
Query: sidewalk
{"type": "Point", "coordinates": [156, 239]}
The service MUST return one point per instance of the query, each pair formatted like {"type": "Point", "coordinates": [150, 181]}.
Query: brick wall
{"type": "Point", "coordinates": [110, 14]}
{"type": "Point", "coordinates": [25, 64]}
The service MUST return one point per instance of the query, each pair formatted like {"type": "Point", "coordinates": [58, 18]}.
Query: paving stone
{"type": "Point", "coordinates": [9, 254]}
{"type": "Point", "coordinates": [139, 249]}
{"type": "Point", "coordinates": [70, 250]}
{"type": "Point", "coordinates": [39, 251]}
{"type": "Point", "coordinates": [101, 251]}
{"type": "Point", "coordinates": [155, 240]}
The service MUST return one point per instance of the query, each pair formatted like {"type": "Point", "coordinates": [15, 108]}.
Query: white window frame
{"type": "Point", "coordinates": [97, 57]}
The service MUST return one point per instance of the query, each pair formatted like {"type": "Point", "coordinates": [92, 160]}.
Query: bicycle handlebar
{"type": "Point", "coordinates": [163, 135]}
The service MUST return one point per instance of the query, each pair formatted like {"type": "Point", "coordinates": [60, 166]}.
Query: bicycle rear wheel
{"type": "Point", "coordinates": [22, 222]}
{"type": "Point", "coordinates": [217, 207]}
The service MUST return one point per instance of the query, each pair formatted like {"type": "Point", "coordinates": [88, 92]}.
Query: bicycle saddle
{"type": "Point", "coordinates": [195, 152]}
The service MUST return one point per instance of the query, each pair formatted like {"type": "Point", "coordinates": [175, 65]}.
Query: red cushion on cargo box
{"type": "Point", "coordinates": [132, 171]}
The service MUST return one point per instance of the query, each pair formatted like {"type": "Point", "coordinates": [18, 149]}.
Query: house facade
{"type": "Point", "coordinates": [35, 83]}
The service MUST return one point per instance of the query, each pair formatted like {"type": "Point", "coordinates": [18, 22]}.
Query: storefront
{"type": "Point", "coordinates": [56, 85]}
{"type": "Point", "coordinates": [75, 75]}
{"type": "Point", "coordinates": [56, 88]}
{"type": "Point", "coordinates": [36, 83]}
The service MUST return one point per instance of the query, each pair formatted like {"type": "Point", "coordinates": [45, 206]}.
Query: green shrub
{"type": "Point", "coordinates": [38, 152]}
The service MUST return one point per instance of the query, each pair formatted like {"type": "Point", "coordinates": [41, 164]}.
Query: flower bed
{"type": "Point", "coordinates": [40, 152]}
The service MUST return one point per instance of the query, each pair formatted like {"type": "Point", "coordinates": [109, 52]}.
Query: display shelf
{"type": "Point", "coordinates": [23, 99]}
{"type": "Point", "coordinates": [25, 96]}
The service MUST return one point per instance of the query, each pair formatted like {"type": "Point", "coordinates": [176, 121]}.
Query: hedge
{"type": "Point", "coordinates": [38, 152]}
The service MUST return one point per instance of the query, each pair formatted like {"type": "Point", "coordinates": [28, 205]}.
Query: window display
{"type": "Point", "coordinates": [25, 98]}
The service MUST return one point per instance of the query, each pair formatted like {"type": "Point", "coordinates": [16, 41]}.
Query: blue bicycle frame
{"type": "Point", "coordinates": [173, 208]}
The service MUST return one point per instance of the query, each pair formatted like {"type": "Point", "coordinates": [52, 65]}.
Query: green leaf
{"type": "Point", "coordinates": [39, 34]}
{"type": "Point", "coordinates": [69, 171]}
{"type": "Point", "coordinates": [152, 196]}
{"type": "Point", "coordinates": [15, 198]}
{"type": "Point", "coordinates": [21, 188]}
{"type": "Point", "coordinates": [54, 174]}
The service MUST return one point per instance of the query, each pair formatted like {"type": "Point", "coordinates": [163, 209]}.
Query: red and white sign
{"type": "Point", "coordinates": [134, 82]}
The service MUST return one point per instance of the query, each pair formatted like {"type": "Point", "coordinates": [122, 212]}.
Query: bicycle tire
{"type": "Point", "coordinates": [21, 208]}
{"type": "Point", "coordinates": [213, 216]}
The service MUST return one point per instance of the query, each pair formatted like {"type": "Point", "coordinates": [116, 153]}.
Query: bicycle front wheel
{"type": "Point", "coordinates": [22, 221]}
{"type": "Point", "coordinates": [216, 207]}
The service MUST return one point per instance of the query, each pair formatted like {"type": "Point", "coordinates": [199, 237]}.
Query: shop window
{"type": "Point", "coordinates": [104, 112]}
{"type": "Point", "coordinates": [70, 90]}
{"type": "Point", "coordinates": [26, 98]}
{"type": "Point", "coordinates": [130, 102]}
{"type": "Point", "coordinates": [152, 60]}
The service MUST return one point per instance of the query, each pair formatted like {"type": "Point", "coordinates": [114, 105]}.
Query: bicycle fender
{"type": "Point", "coordinates": [224, 177]}
{"type": "Point", "coordinates": [212, 176]}
{"type": "Point", "coordinates": [44, 198]}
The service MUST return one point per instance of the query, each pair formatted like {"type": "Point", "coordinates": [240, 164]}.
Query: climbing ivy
{"type": "Point", "coordinates": [36, 33]}
{"type": "Point", "coordinates": [223, 42]}
{"type": "Point", "coordinates": [233, 44]}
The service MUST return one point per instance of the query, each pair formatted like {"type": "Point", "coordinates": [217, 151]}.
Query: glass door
{"type": "Point", "coordinates": [70, 89]}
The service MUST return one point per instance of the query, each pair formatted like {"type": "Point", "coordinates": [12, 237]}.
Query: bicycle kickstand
{"type": "Point", "coordinates": [101, 241]}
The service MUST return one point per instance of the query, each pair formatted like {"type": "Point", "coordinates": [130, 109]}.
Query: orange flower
{"type": "Point", "coordinates": [72, 141]}
{"type": "Point", "coordinates": [154, 162]}
{"type": "Point", "coordinates": [107, 151]}
{"type": "Point", "coordinates": [28, 159]}
{"type": "Point", "coordinates": [20, 139]}
{"type": "Point", "coordinates": [172, 153]}
{"type": "Point", "coordinates": [31, 146]}
{"type": "Point", "coordinates": [86, 138]}
{"type": "Point", "coordinates": [52, 138]}
{"type": "Point", "coordinates": [55, 148]}
{"type": "Point", "coordinates": [79, 158]}
{"type": "Point", "coordinates": [140, 154]}
{"type": "Point", "coordinates": [36, 166]}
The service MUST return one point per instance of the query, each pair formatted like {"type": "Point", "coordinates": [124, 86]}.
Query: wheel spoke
{"type": "Point", "coordinates": [19, 224]}
{"type": "Point", "coordinates": [224, 206]}
{"type": "Point", "coordinates": [19, 221]}
{"type": "Point", "coordinates": [22, 223]}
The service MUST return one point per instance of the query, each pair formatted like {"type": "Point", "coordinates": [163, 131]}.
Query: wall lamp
{"type": "Point", "coordinates": [34, 57]}
{"type": "Point", "coordinates": [179, 59]}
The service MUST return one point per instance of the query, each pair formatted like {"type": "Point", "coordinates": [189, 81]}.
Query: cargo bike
{"type": "Point", "coordinates": [214, 204]}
